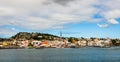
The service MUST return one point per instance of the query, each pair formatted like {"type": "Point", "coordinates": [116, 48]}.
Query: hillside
{"type": "Point", "coordinates": [34, 36]}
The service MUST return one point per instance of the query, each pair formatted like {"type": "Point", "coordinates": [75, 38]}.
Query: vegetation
{"type": "Point", "coordinates": [115, 42]}
{"type": "Point", "coordinates": [5, 39]}
{"type": "Point", "coordinates": [72, 39]}
{"type": "Point", "coordinates": [34, 36]}
{"type": "Point", "coordinates": [45, 36]}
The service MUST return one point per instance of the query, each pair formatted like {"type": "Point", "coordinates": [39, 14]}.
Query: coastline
{"type": "Point", "coordinates": [113, 47]}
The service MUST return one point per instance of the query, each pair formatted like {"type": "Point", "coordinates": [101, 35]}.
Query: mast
{"type": "Point", "coordinates": [60, 34]}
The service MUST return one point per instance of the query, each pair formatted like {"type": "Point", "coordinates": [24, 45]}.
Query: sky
{"type": "Point", "coordinates": [74, 18]}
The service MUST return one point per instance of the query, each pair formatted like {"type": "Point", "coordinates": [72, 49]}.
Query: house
{"type": "Point", "coordinates": [24, 44]}
{"type": "Point", "coordinates": [36, 43]}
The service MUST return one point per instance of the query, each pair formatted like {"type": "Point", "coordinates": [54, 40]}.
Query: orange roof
{"type": "Point", "coordinates": [45, 42]}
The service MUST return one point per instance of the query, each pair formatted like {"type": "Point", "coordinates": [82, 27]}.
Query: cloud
{"type": "Point", "coordinates": [62, 2]}
{"type": "Point", "coordinates": [103, 25]}
{"type": "Point", "coordinates": [113, 21]}
{"type": "Point", "coordinates": [6, 11]}
{"type": "Point", "coordinates": [36, 15]}
{"type": "Point", "coordinates": [5, 31]}
{"type": "Point", "coordinates": [111, 10]}
{"type": "Point", "coordinates": [55, 14]}
{"type": "Point", "coordinates": [112, 14]}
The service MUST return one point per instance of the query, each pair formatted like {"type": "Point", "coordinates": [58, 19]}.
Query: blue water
{"type": "Point", "coordinates": [61, 55]}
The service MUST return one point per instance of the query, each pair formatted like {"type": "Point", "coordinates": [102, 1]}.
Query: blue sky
{"type": "Point", "coordinates": [74, 18]}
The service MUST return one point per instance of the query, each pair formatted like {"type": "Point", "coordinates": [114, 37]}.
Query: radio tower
{"type": "Point", "coordinates": [60, 34]}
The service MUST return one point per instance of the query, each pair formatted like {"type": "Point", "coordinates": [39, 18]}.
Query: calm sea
{"type": "Point", "coordinates": [61, 55]}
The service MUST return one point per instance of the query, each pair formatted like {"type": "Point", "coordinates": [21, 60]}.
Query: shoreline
{"type": "Point", "coordinates": [60, 48]}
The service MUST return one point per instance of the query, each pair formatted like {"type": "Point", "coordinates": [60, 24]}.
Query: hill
{"type": "Point", "coordinates": [34, 36]}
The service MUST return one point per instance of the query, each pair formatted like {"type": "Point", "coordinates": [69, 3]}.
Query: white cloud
{"type": "Point", "coordinates": [112, 14]}
{"type": "Point", "coordinates": [6, 11]}
{"type": "Point", "coordinates": [111, 10]}
{"type": "Point", "coordinates": [7, 31]}
{"type": "Point", "coordinates": [36, 15]}
{"type": "Point", "coordinates": [103, 25]}
{"type": "Point", "coordinates": [54, 14]}
{"type": "Point", "coordinates": [113, 21]}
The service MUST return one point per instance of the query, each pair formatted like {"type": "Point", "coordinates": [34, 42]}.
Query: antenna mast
{"type": "Point", "coordinates": [60, 34]}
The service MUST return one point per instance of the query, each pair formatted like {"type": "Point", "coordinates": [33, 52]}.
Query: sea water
{"type": "Point", "coordinates": [61, 55]}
